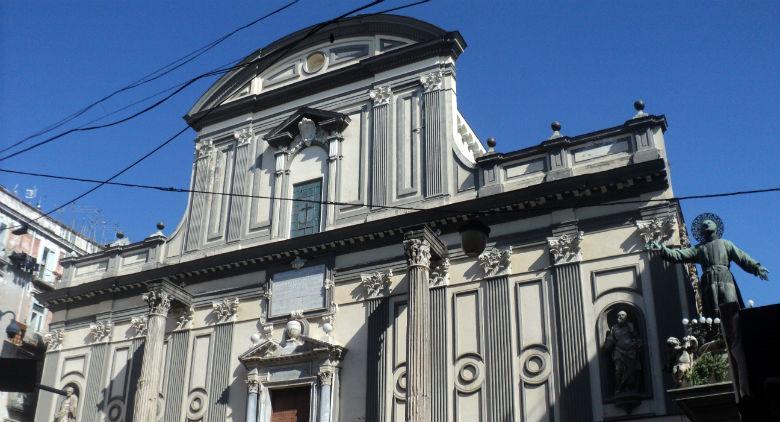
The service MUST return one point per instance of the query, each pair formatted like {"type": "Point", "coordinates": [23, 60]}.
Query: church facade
{"type": "Point", "coordinates": [318, 273]}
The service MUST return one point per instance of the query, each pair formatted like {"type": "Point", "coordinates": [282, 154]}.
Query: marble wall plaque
{"type": "Point", "coordinates": [298, 290]}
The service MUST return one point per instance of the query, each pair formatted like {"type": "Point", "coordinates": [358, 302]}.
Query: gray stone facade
{"type": "Point", "coordinates": [404, 325]}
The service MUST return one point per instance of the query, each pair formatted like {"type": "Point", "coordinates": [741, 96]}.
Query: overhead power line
{"type": "Point", "coordinates": [154, 75]}
{"type": "Point", "coordinates": [395, 207]}
{"type": "Point", "coordinates": [280, 55]}
{"type": "Point", "coordinates": [182, 86]}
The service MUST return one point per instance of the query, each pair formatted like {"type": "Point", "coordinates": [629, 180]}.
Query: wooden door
{"type": "Point", "coordinates": [290, 405]}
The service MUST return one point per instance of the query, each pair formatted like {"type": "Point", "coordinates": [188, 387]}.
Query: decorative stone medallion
{"type": "Point", "coordinates": [197, 403]}
{"type": "Point", "coordinates": [469, 373]}
{"type": "Point", "coordinates": [535, 364]}
{"type": "Point", "coordinates": [399, 382]}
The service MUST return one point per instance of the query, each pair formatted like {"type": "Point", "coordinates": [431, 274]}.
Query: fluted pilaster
{"type": "Point", "coordinates": [418, 343]}
{"type": "Point", "coordinates": [145, 407]}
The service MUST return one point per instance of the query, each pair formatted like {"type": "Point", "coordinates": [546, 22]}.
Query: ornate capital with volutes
{"type": "Point", "coordinates": [140, 325]}
{"type": "Point", "coordinates": [159, 302]}
{"type": "Point", "coordinates": [376, 282]}
{"type": "Point", "coordinates": [418, 252]}
{"type": "Point", "coordinates": [225, 309]}
{"type": "Point", "coordinates": [381, 95]}
{"type": "Point", "coordinates": [495, 262]}
{"type": "Point", "coordinates": [185, 317]}
{"type": "Point", "coordinates": [326, 376]}
{"type": "Point", "coordinates": [253, 381]}
{"type": "Point", "coordinates": [204, 147]}
{"type": "Point", "coordinates": [432, 81]}
{"type": "Point", "coordinates": [566, 248]}
{"type": "Point", "coordinates": [53, 339]}
{"type": "Point", "coordinates": [440, 274]}
{"type": "Point", "coordinates": [657, 229]}
{"type": "Point", "coordinates": [100, 331]}
{"type": "Point", "coordinates": [243, 136]}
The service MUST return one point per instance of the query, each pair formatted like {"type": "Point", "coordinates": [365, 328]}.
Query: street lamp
{"type": "Point", "coordinates": [13, 328]}
{"type": "Point", "coordinates": [473, 237]}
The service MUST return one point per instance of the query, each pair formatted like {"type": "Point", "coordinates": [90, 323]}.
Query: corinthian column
{"type": "Point", "coordinates": [149, 383]}
{"type": "Point", "coordinates": [418, 343]}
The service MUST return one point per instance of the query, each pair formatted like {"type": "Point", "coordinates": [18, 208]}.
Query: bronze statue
{"type": "Point", "coordinates": [714, 254]}
{"type": "Point", "coordinates": [69, 407]}
{"type": "Point", "coordinates": [625, 348]}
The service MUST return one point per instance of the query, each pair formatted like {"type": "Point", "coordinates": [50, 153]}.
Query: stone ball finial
{"type": "Point", "coordinates": [120, 235]}
{"type": "Point", "coordinates": [491, 142]}
{"type": "Point", "coordinates": [555, 126]}
{"type": "Point", "coordinates": [639, 105]}
{"type": "Point", "coordinates": [160, 225]}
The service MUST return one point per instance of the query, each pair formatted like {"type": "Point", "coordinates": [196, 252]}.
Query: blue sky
{"type": "Point", "coordinates": [711, 67]}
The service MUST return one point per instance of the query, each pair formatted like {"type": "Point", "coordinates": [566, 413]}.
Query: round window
{"type": "Point", "coordinates": [315, 61]}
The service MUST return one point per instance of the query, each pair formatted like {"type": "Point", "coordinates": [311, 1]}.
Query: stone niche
{"type": "Point", "coordinates": [625, 345]}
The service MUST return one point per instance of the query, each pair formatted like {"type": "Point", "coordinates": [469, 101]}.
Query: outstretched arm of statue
{"type": "Point", "coordinates": [676, 255]}
{"type": "Point", "coordinates": [746, 262]}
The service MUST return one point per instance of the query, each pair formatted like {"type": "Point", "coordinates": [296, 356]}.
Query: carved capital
{"type": "Point", "coordinates": [381, 95]}
{"type": "Point", "coordinates": [140, 325]}
{"type": "Point", "coordinates": [253, 382]}
{"type": "Point", "coordinates": [185, 317]}
{"type": "Point", "coordinates": [326, 376]}
{"type": "Point", "coordinates": [243, 136]}
{"type": "Point", "coordinates": [418, 252]}
{"type": "Point", "coordinates": [566, 248]}
{"type": "Point", "coordinates": [440, 274]}
{"type": "Point", "coordinates": [100, 331]}
{"type": "Point", "coordinates": [53, 339]}
{"type": "Point", "coordinates": [225, 309]}
{"type": "Point", "coordinates": [495, 261]}
{"type": "Point", "coordinates": [432, 81]}
{"type": "Point", "coordinates": [159, 302]}
{"type": "Point", "coordinates": [657, 229]}
{"type": "Point", "coordinates": [203, 148]}
{"type": "Point", "coordinates": [376, 283]}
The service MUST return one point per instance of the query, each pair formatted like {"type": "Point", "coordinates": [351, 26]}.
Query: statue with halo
{"type": "Point", "coordinates": [715, 255]}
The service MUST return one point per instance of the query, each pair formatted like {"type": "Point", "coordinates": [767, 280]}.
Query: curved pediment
{"type": "Point", "coordinates": [334, 47]}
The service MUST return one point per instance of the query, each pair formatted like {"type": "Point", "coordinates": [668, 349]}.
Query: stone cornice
{"type": "Point", "coordinates": [648, 176]}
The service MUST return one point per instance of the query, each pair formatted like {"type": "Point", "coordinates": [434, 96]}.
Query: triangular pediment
{"type": "Point", "coordinates": [329, 121]}
{"type": "Point", "coordinates": [305, 349]}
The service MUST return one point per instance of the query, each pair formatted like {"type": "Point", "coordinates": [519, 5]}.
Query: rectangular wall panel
{"type": "Point", "coordinates": [218, 204]}
{"type": "Point", "coordinates": [352, 163]}
{"type": "Point", "coordinates": [262, 171]}
{"type": "Point", "coordinates": [407, 141]}
{"type": "Point", "coordinates": [535, 359]}
{"type": "Point", "coordinates": [119, 369]}
{"type": "Point", "coordinates": [468, 353]}
{"type": "Point", "coordinates": [398, 361]}
{"type": "Point", "coordinates": [46, 401]}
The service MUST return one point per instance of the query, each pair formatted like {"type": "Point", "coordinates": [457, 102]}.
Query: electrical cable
{"type": "Point", "coordinates": [154, 75]}
{"type": "Point", "coordinates": [396, 207]}
{"type": "Point", "coordinates": [209, 110]}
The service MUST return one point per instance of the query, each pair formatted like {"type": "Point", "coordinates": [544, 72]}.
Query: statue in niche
{"type": "Point", "coordinates": [69, 406]}
{"type": "Point", "coordinates": [625, 349]}
{"type": "Point", "coordinates": [714, 255]}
